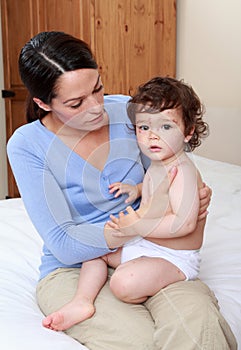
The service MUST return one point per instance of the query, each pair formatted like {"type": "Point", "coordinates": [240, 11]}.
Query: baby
{"type": "Point", "coordinates": [165, 234]}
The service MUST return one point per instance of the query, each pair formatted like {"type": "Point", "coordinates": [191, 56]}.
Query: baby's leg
{"type": "Point", "coordinates": [113, 259]}
{"type": "Point", "coordinates": [140, 278]}
{"type": "Point", "coordinates": [93, 275]}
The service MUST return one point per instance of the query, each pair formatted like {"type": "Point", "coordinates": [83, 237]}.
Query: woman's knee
{"type": "Point", "coordinates": [48, 290]}
{"type": "Point", "coordinates": [188, 312]}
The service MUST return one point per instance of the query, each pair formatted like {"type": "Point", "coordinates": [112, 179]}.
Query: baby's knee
{"type": "Point", "coordinates": [121, 286]}
{"type": "Point", "coordinates": [118, 285]}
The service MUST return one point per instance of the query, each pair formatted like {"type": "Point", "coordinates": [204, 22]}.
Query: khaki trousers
{"type": "Point", "coordinates": [184, 315]}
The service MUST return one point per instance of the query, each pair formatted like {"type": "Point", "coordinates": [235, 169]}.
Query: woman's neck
{"type": "Point", "coordinates": [59, 128]}
{"type": "Point", "coordinates": [93, 146]}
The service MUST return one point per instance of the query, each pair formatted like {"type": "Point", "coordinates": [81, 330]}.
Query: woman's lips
{"type": "Point", "coordinates": [97, 119]}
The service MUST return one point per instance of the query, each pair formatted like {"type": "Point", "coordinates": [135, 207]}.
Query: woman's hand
{"type": "Point", "coordinates": [112, 237]}
{"type": "Point", "coordinates": [133, 192]}
{"type": "Point", "coordinates": [205, 194]}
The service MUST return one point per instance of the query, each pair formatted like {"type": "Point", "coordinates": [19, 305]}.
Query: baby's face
{"type": "Point", "coordinates": [160, 135]}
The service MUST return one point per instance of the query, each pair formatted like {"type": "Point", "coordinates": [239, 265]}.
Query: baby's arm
{"type": "Point", "coordinates": [133, 192]}
{"type": "Point", "coordinates": [179, 221]}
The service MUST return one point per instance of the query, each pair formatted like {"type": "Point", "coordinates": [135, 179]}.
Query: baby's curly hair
{"type": "Point", "coordinates": [161, 93]}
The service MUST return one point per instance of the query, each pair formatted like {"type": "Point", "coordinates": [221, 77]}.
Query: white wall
{"type": "Point", "coordinates": [3, 161]}
{"type": "Point", "coordinates": [209, 58]}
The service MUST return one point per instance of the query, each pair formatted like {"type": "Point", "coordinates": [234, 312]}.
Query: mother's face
{"type": "Point", "coordinates": [79, 100]}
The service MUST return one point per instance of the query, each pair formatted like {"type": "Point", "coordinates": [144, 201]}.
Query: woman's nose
{"type": "Point", "coordinates": [94, 105]}
{"type": "Point", "coordinates": [93, 101]}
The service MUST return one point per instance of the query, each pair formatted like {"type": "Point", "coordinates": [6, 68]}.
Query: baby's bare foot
{"type": "Point", "coordinates": [70, 314]}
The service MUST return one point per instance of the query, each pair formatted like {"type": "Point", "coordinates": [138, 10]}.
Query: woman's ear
{"type": "Point", "coordinates": [189, 136]}
{"type": "Point", "coordinates": [41, 104]}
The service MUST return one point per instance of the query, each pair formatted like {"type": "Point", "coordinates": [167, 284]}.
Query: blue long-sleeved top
{"type": "Point", "coordinates": [68, 199]}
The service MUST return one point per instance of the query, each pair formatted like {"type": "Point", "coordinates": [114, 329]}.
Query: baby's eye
{"type": "Point", "coordinates": [166, 126]}
{"type": "Point", "coordinates": [144, 127]}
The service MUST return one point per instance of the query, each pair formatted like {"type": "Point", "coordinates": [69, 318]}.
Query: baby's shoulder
{"type": "Point", "coordinates": [189, 171]}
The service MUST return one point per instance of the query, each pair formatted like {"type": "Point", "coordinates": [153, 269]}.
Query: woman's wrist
{"type": "Point", "coordinates": [113, 241]}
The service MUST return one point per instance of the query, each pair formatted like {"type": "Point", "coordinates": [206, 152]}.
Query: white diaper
{"type": "Point", "coordinates": [188, 261]}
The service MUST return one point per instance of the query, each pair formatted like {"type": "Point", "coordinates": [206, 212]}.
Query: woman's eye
{"type": "Point", "coordinates": [166, 127]}
{"type": "Point", "coordinates": [144, 127]}
{"type": "Point", "coordinates": [98, 89]}
{"type": "Point", "coordinates": [77, 105]}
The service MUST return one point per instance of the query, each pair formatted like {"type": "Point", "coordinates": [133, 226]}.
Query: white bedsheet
{"type": "Point", "coordinates": [20, 251]}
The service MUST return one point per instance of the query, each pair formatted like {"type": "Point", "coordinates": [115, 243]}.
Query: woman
{"type": "Point", "coordinates": [64, 160]}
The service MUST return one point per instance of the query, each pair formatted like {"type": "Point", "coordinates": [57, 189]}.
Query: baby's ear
{"type": "Point", "coordinates": [189, 136]}
{"type": "Point", "coordinates": [41, 104]}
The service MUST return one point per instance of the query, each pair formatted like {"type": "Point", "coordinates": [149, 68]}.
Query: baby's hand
{"type": "Point", "coordinates": [133, 192]}
{"type": "Point", "coordinates": [124, 223]}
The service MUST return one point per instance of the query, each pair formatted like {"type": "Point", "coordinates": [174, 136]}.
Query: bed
{"type": "Point", "coordinates": [20, 252]}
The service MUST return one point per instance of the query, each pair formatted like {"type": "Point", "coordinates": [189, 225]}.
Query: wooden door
{"type": "Point", "coordinates": [133, 40]}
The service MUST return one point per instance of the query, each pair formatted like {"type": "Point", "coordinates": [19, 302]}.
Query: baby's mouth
{"type": "Point", "coordinates": [155, 148]}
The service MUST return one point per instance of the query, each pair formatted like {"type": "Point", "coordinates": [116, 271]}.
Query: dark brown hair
{"type": "Point", "coordinates": [43, 59]}
{"type": "Point", "coordinates": [162, 93]}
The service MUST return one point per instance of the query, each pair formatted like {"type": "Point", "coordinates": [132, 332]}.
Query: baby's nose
{"type": "Point", "coordinates": [154, 136]}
